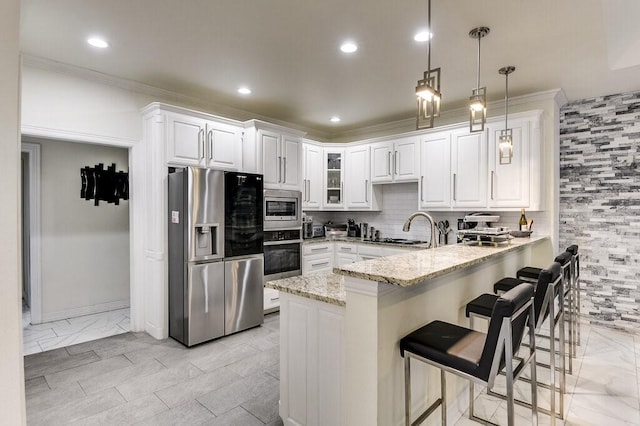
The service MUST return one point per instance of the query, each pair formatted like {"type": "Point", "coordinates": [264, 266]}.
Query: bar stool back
{"type": "Point", "coordinates": [548, 288]}
{"type": "Point", "coordinates": [575, 285]}
{"type": "Point", "coordinates": [475, 356]}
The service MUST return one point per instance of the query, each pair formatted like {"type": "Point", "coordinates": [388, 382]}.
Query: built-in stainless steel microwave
{"type": "Point", "coordinates": [282, 209]}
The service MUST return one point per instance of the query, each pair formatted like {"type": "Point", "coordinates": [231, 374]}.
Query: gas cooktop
{"type": "Point", "coordinates": [402, 241]}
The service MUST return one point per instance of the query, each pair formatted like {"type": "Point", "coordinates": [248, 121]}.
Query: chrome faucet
{"type": "Point", "coordinates": [407, 225]}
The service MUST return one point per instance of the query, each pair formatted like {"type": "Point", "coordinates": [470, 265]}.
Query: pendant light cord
{"type": "Point", "coordinates": [478, 82]}
{"type": "Point", "coordinates": [506, 100]}
{"type": "Point", "coordinates": [429, 32]}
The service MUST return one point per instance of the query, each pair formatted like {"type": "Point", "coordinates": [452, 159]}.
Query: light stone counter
{"type": "Point", "coordinates": [405, 269]}
{"type": "Point", "coordinates": [411, 268]}
{"type": "Point", "coordinates": [323, 286]}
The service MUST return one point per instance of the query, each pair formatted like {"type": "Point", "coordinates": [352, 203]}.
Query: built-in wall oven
{"type": "Point", "coordinates": [282, 234]}
{"type": "Point", "coordinates": [282, 254]}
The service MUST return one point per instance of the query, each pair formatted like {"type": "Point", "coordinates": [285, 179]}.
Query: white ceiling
{"type": "Point", "coordinates": [287, 51]}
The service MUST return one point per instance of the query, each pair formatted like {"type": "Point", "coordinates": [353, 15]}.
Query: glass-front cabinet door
{"type": "Point", "coordinates": [334, 179]}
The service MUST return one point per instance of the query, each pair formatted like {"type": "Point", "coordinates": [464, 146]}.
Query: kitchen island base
{"type": "Point", "coordinates": [344, 361]}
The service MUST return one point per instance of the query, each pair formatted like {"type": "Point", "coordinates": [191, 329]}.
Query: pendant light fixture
{"type": "Point", "coordinates": [428, 89]}
{"type": "Point", "coordinates": [478, 99]}
{"type": "Point", "coordinates": [505, 145]}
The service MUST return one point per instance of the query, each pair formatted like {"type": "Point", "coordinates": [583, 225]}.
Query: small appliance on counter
{"type": "Point", "coordinates": [335, 229]}
{"type": "Point", "coordinates": [317, 231]}
{"type": "Point", "coordinates": [307, 226]}
{"type": "Point", "coordinates": [482, 233]}
{"type": "Point", "coordinates": [353, 230]}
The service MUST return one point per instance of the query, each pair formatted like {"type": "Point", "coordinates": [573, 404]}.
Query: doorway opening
{"type": "Point", "coordinates": [75, 254]}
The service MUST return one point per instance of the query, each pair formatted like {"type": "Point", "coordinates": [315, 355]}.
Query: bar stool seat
{"type": "Point", "coordinates": [473, 355]}
{"type": "Point", "coordinates": [507, 283]}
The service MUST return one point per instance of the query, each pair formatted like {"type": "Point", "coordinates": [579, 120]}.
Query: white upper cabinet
{"type": "Point", "coordinates": [281, 159]}
{"type": "Point", "coordinates": [223, 147]}
{"type": "Point", "coordinates": [333, 178]}
{"type": "Point", "coordinates": [435, 179]}
{"type": "Point", "coordinates": [358, 178]}
{"type": "Point", "coordinates": [275, 152]}
{"type": "Point", "coordinates": [313, 171]}
{"type": "Point", "coordinates": [518, 184]}
{"type": "Point", "coordinates": [395, 161]}
{"type": "Point", "coordinates": [194, 141]}
{"type": "Point", "coordinates": [469, 169]}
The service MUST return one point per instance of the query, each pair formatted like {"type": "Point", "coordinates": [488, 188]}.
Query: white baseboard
{"type": "Point", "coordinates": [155, 332]}
{"type": "Point", "coordinates": [84, 310]}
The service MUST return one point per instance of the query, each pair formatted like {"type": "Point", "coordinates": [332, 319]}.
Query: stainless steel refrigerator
{"type": "Point", "coordinates": [215, 253]}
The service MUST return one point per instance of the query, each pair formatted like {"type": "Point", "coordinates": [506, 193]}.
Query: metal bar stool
{"type": "Point", "coordinates": [575, 285]}
{"type": "Point", "coordinates": [531, 274]}
{"type": "Point", "coordinates": [547, 290]}
{"type": "Point", "coordinates": [475, 356]}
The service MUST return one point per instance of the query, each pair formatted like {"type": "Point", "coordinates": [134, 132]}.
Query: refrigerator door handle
{"type": "Point", "coordinates": [205, 283]}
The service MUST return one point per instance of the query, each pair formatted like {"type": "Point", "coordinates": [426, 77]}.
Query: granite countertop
{"type": "Point", "coordinates": [413, 267]}
{"type": "Point", "coordinates": [404, 270]}
{"type": "Point", "coordinates": [323, 286]}
{"type": "Point", "coordinates": [369, 242]}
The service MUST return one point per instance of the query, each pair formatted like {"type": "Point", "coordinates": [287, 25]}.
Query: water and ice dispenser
{"type": "Point", "coordinates": [206, 238]}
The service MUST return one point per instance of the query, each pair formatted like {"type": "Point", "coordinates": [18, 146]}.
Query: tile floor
{"type": "Point", "coordinates": [133, 379]}
{"type": "Point", "coordinates": [58, 334]}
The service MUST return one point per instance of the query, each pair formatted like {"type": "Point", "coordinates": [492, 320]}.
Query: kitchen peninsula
{"type": "Point", "coordinates": [339, 357]}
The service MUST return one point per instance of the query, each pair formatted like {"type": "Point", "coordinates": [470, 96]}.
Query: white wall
{"type": "Point", "coordinates": [85, 248]}
{"type": "Point", "coordinates": [53, 100]}
{"type": "Point", "coordinates": [12, 405]}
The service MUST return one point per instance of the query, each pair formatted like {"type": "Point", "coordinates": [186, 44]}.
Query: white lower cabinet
{"type": "Point", "coordinates": [271, 300]}
{"type": "Point", "coordinates": [345, 253]}
{"type": "Point", "coordinates": [312, 360]}
{"type": "Point", "coordinates": [321, 257]}
{"type": "Point", "coordinates": [317, 257]}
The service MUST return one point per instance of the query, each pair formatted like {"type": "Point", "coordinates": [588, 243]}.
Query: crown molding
{"type": "Point", "coordinates": [162, 94]}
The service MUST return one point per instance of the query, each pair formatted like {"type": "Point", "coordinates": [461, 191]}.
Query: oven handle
{"type": "Point", "coordinates": [281, 242]}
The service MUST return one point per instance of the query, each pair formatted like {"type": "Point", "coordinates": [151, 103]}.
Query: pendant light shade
{"type": "Point", "coordinates": [478, 98]}
{"type": "Point", "coordinates": [428, 89]}
{"type": "Point", "coordinates": [505, 145]}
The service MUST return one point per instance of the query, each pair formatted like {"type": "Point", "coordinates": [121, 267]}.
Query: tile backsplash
{"type": "Point", "coordinates": [399, 200]}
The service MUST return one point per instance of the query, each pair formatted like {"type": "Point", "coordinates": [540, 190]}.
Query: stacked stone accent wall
{"type": "Point", "coordinates": [600, 203]}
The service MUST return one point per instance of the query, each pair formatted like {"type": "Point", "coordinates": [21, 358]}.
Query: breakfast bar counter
{"type": "Point", "coordinates": [339, 357]}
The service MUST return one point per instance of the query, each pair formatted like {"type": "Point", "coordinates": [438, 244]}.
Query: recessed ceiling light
{"type": "Point", "coordinates": [349, 47]}
{"type": "Point", "coordinates": [335, 119]}
{"type": "Point", "coordinates": [422, 36]}
{"type": "Point", "coordinates": [244, 91]}
{"type": "Point", "coordinates": [98, 42]}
